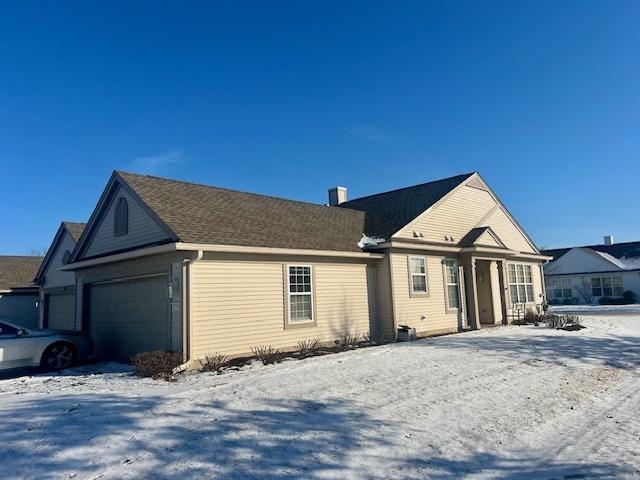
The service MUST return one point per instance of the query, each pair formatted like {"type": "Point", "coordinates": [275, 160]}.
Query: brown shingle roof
{"type": "Point", "coordinates": [18, 271]}
{"type": "Point", "coordinates": [75, 229]}
{"type": "Point", "coordinates": [388, 212]}
{"type": "Point", "coordinates": [211, 215]}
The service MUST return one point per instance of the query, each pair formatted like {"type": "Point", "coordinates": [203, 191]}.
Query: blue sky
{"type": "Point", "coordinates": [290, 98]}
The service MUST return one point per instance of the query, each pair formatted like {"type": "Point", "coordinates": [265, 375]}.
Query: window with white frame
{"type": "Point", "coordinates": [452, 283]}
{"type": "Point", "coordinates": [559, 288]}
{"type": "Point", "coordinates": [300, 287]}
{"type": "Point", "coordinates": [607, 287]}
{"type": "Point", "coordinates": [520, 283]}
{"type": "Point", "coordinates": [418, 271]}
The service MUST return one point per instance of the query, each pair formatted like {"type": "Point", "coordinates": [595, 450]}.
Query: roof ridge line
{"type": "Point", "coordinates": [302, 202]}
{"type": "Point", "coordinates": [467, 175]}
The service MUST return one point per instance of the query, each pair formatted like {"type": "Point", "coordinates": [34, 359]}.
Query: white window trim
{"type": "Point", "coordinates": [517, 283]}
{"type": "Point", "coordinates": [602, 287]}
{"type": "Point", "coordinates": [412, 292]}
{"type": "Point", "coordinates": [296, 324]}
{"type": "Point", "coordinates": [447, 284]}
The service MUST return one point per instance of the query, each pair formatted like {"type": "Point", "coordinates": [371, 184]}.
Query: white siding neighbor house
{"type": "Point", "coordinates": [57, 289]}
{"type": "Point", "coordinates": [18, 294]}
{"type": "Point", "coordinates": [586, 275]}
{"type": "Point", "coordinates": [171, 265]}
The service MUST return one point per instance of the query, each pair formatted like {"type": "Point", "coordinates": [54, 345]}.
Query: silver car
{"type": "Point", "coordinates": [50, 349]}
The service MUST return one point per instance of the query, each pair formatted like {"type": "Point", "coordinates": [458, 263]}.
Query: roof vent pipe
{"type": "Point", "coordinates": [337, 195]}
{"type": "Point", "coordinates": [608, 239]}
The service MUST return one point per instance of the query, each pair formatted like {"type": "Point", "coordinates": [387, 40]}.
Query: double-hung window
{"type": "Point", "coordinates": [452, 283]}
{"type": "Point", "coordinates": [560, 288]}
{"type": "Point", "coordinates": [520, 283]}
{"type": "Point", "coordinates": [606, 287]}
{"type": "Point", "coordinates": [300, 291]}
{"type": "Point", "coordinates": [418, 275]}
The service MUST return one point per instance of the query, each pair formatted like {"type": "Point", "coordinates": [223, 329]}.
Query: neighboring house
{"type": "Point", "coordinates": [18, 294]}
{"type": "Point", "coordinates": [586, 274]}
{"type": "Point", "coordinates": [164, 264]}
{"type": "Point", "coordinates": [57, 289]}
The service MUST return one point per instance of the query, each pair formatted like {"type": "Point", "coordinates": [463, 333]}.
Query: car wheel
{"type": "Point", "coordinates": [58, 356]}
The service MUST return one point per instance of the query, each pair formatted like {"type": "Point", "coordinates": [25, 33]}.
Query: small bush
{"type": "Point", "coordinates": [630, 297]}
{"type": "Point", "coordinates": [308, 348]}
{"type": "Point", "coordinates": [157, 364]}
{"type": "Point", "coordinates": [555, 321]}
{"type": "Point", "coordinates": [267, 354]}
{"type": "Point", "coordinates": [371, 338]}
{"type": "Point", "coordinates": [215, 362]}
{"type": "Point", "coordinates": [348, 341]}
{"type": "Point", "coordinates": [573, 319]}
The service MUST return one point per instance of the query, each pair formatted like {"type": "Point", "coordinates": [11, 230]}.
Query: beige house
{"type": "Point", "coordinates": [57, 289]}
{"type": "Point", "coordinates": [164, 264]}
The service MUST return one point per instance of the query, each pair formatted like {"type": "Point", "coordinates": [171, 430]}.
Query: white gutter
{"type": "Point", "coordinates": [453, 249]}
{"type": "Point", "coordinates": [275, 251]}
{"type": "Point", "coordinates": [173, 247]}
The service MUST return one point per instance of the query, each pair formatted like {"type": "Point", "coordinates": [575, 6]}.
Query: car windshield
{"type": "Point", "coordinates": [6, 329]}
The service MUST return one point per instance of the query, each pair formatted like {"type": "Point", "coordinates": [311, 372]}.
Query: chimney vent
{"type": "Point", "coordinates": [337, 195]}
{"type": "Point", "coordinates": [608, 239]}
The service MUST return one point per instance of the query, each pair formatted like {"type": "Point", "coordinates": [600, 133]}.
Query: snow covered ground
{"type": "Point", "coordinates": [509, 402]}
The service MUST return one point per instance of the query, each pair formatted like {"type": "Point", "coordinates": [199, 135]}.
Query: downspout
{"type": "Point", "coordinates": [187, 310]}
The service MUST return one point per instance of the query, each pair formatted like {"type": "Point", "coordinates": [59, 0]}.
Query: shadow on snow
{"type": "Point", "coordinates": [160, 437]}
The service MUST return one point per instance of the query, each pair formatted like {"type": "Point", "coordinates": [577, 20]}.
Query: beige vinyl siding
{"type": "Point", "coordinates": [143, 230]}
{"type": "Point", "coordinates": [54, 277]}
{"type": "Point", "coordinates": [464, 209]}
{"type": "Point", "coordinates": [410, 309]}
{"type": "Point", "coordinates": [241, 304]}
{"type": "Point", "coordinates": [487, 240]}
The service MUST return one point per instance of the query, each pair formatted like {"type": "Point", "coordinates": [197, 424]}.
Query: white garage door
{"type": "Point", "coordinates": [61, 311]}
{"type": "Point", "coordinates": [127, 317]}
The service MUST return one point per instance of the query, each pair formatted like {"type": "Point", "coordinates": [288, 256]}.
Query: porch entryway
{"type": "Point", "coordinates": [485, 291]}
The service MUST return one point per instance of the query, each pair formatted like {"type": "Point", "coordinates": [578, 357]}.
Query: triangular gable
{"type": "Point", "coordinates": [145, 228]}
{"type": "Point", "coordinates": [580, 260]}
{"type": "Point", "coordinates": [472, 204]}
{"type": "Point", "coordinates": [63, 240]}
{"type": "Point", "coordinates": [482, 237]}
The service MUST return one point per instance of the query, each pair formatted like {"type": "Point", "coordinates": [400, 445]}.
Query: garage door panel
{"type": "Point", "coordinates": [61, 311]}
{"type": "Point", "coordinates": [129, 317]}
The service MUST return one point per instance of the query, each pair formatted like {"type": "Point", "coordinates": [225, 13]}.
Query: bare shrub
{"type": "Point", "coordinates": [215, 362]}
{"type": "Point", "coordinates": [348, 341]}
{"type": "Point", "coordinates": [585, 291]}
{"type": "Point", "coordinates": [573, 319]}
{"type": "Point", "coordinates": [308, 348]}
{"type": "Point", "coordinates": [555, 321]}
{"type": "Point", "coordinates": [267, 354]}
{"type": "Point", "coordinates": [371, 338]}
{"type": "Point", "coordinates": [157, 364]}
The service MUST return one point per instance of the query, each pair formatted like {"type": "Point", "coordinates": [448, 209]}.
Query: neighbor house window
{"type": "Point", "coordinates": [418, 274]}
{"type": "Point", "coordinates": [300, 287]}
{"type": "Point", "coordinates": [607, 287]}
{"type": "Point", "coordinates": [560, 288]}
{"type": "Point", "coordinates": [452, 283]}
{"type": "Point", "coordinates": [520, 283]}
{"type": "Point", "coordinates": [121, 218]}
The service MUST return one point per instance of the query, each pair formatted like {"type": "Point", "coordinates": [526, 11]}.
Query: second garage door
{"type": "Point", "coordinates": [60, 311]}
{"type": "Point", "coordinates": [127, 317]}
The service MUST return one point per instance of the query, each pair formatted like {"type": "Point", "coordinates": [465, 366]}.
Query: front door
{"type": "Point", "coordinates": [484, 292]}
